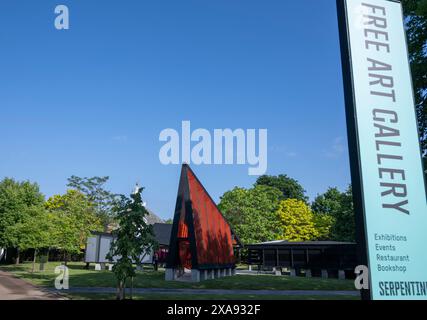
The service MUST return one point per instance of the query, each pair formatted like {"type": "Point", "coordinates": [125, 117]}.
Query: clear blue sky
{"type": "Point", "coordinates": [92, 100]}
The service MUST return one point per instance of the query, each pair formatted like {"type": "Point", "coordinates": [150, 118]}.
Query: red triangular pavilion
{"type": "Point", "coordinates": [202, 241]}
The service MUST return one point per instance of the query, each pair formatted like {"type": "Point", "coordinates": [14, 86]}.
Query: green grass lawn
{"type": "Point", "coordinates": [79, 277]}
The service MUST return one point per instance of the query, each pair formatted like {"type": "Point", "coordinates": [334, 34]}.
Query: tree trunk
{"type": "Point", "coordinates": [131, 288]}
{"type": "Point", "coordinates": [65, 258]}
{"type": "Point", "coordinates": [121, 285]}
{"type": "Point", "coordinates": [34, 261]}
{"type": "Point", "coordinates": [118, 293]}
{"type": "Point", "coordinates": [124, 289]}
{"type": "Point", "coordinates": [18, 254]}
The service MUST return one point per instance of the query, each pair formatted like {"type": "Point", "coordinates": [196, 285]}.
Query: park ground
{"type": "Point", "coordinates": [150, 285]}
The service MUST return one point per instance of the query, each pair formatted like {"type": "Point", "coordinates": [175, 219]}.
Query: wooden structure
{"type": "Point", "coordinates": [202, 242]}
{"type": "Point", "coordinates": [324, 258]}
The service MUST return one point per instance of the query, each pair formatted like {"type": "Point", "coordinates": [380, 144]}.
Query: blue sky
{"type": "Point", "coordinates": [92, 100]}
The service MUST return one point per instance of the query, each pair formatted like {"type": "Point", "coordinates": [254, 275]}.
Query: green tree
{"type": "Point", "coordinates": [15, 198]}
{"type": "Point", "coordinates": [133, 239]}
{"type": "Point", "coordinates": [344, 228]}
{"type": "Point", "coordinates": [326, 208]}
{"type": "Point", "coordinates": [94, 189]}
{"type": "Point", "coordinates": [290, 188]}
{"type": "Point", "coordinates": [74, 218]}
{"type": "Point", "coordinates": [416, 28]}
{"type": "Point", "coordinates": [328, 203]}
{"type": "Point", "coordinates": [323, 224]}
{"type": "Point", "coordinates": [33, 232]}
{"type": "Point", "coordinates": [339, 207]}
{"type": "Point", "coordinates": [252, 212]}
{"type": "Point", "coordinates": [297, 221]}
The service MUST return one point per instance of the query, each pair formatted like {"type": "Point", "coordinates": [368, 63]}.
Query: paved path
{"type": "Point", "coordinates": [216, 291]}
{"type": "Point", "coordinates": [12, 288]}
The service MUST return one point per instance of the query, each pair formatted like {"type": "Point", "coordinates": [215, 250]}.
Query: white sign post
{"type": "Point", "coordinates": [387, 174]}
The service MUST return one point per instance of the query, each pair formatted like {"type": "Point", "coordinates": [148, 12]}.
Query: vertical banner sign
{"type": "Point", "coordinates": [387, 172]}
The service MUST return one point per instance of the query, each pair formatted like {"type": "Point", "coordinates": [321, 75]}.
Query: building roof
{"type": "Point", "coordinates": [152, 218]}
{"type": "Point", "coordinates": [277, 243]}
{"type": "Point", "coordinates": [162, 232]}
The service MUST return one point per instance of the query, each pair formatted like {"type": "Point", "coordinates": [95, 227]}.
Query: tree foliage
{"type": "Point", "coordinates": [290, 188]}
{"type": "Point", "coordinates": [15, 200]}
{"type": "Point", "coordinates": [33, 231]}
{"type": "Point", "coordinates": [416, 28]}
{"type": "Point", "coordinates": [94, 189]}
{"type": "Point", "coordinates": [344, 228]}
{"type": "Point", "coordinates": [252, 212]}
{"type": "Point", "coordinates": [297, 221]}
{"type": "Point", "coordinates": [323, 224]}
{"type": "Point", "coordinates": [133, 239]}
{"type": "Point", "coordinates": [328, 203]}
{"type": "Point", "coordinates": [74, 218]}
{"type": "Point", "coordinates": [339, 207]}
